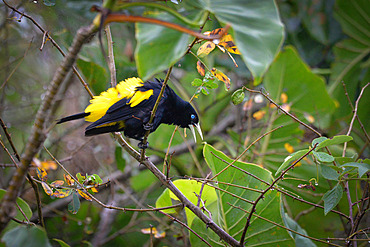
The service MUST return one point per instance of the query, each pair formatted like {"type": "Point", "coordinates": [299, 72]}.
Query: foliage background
{"type": "Point", "coordinates": [326, 42]}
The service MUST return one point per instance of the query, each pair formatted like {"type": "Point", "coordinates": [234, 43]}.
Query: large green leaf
{"type": "Point", "coordinates": [19, 216]}
{"type": "Point", "coordinates": [305, 90]}
{"type": "Point", "coordinates": [158, 47]}
{"type": "Point", "coordinates": [31, 236]}
{"type": "Point", "coordinates": [233, 220]}
{"type": "Point", "coordinates": [351, 57]}
{"type": "Point", "coordinates": [188, 188]}
{"type": "Point", "coordinates": [258, 31]}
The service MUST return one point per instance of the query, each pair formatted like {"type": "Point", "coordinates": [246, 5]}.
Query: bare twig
{"type": "Point", "coordinates": [111, 63]}
{"type": "Point", "coordinates": [46, 34]}
{"type": "Point", "coordinates": [38, 136]}
{"type": "Point", "coordinates": [281, 226]}
{"type": "Point", "coordinates": [284, 111]}
{"type": "Point", "coordinates": [266, 190]}
{"type": "Point", "coordinates": [259, 138]}
{"type": "Point", "coordinates": [155, 107]}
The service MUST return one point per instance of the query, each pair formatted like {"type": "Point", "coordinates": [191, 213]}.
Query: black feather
{"type": "Point", "coordinates": [73, 117]}
{"type": "Point", "coordinates": [122, 117]}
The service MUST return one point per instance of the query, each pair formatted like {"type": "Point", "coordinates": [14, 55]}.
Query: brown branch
{"type": "Point", "coordinates": [111, 61]}
{"type": "Point", "coordinates": [116, 17]}
{"type": "Point", "coordinates": [353, 109]}
{"type": "Point", "coordinates": [184, 200]}
{"type": "Point", "coordinates": [281, 226]}
{"type": "Point", "coordinates": [259, 138]}
{"type": "Point", "coordinates": [155, 107]}
{"type": "Point", "coordinates": [284, 111]}
{"type": "Point", "coordinates": [265, 191]}
{"type": "Point", "coordinates": [38, 136]}
{"type": "Point", "coordinates": [47, 35]}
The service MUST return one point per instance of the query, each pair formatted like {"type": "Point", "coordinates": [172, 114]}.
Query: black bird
{"type": "Point", "coordinates": [127, 107]}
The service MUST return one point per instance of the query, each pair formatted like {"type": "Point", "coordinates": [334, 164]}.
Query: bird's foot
{"type": "Point", "coordinates": [141, 145]}
{"type": "Point", "coordinates": [148, 126]}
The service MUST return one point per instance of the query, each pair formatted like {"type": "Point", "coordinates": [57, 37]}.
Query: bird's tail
{"type": "Point", "coordinates": [73, 117]}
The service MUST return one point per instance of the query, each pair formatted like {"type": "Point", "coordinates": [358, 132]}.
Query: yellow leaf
{"type": "Point", "coordinates": [49, 165]}
{"type": "Point", "coordinates": [160, 234]}
{"type": "Point", "coordinates": [228, 43]}
{"type": "Point", "coordinates": [47, 189]}
{"type": "Point", "coordinates": [221, 76]}
{"type": "Point", "coordinates": [201, 68]}
{"type": "Point", "coordinates": [61, 193]}
{"type": "Point", "coordinates": [150, 230]}
{"type": "Point", "coordinates": [42, 174]}
{"type": "Point", "coordinates": [94, 190]}
{"type": "Point", "coordinates": [57, 183]}
{"type": "Point", "coordinates": [84, 195]}
{"type": "Point", "coordinates": [288, 147]}
{"type": "Point", "coordinates": [205, 49]}
{"type": "Point", "coordinates": [309, 117]}
{"type": "Point", "coordinates": [283, 98]}
{"type": "Point", "coordinates": [69, 180]}
{"type": "Point", "coordinates": [259, 114]}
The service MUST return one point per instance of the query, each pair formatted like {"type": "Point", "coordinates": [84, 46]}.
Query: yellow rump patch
{"type": "Point", "coordinates": [125, 89]}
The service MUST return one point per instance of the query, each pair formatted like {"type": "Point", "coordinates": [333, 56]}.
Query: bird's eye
{"type": "Point", "coordinates": [192, 116]}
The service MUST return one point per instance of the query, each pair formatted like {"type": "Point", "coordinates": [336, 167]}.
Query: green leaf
{"type": "Point", "coordinates": [318, 140]}
{"type": "Point", "coordinates": [22, 204]}
{"type": "Point", "coordinates": [354, 19]}
{"type": "Point", "coordinates": [188, 188]}
{"type": "Point", "coordinates": [94, 74]}
{"type": "Point", "coordinates": [120, 161]}
{"type": "Point", "coordinates": [299, 240]}
{"type": "Point", "coordinates": [306, 90]}
{"type": "Point", "coordinates": [334, 141]}
{"type": "Point", "coordinates": [362, 167]}
{"type": "Point", "coordinates": [323, 157]}
{"type": "Point", "coordinates": [158, 47]}
{"type": "Point", "coordinates": [30, 236]}
{"type": "Point", "coordinates": [233, 220]}
{"type": "Point", "coordinates": [61, 242]}
{"type": "Point", "coordinates": [238, 96]}
{"type": "Point", "coordinates": [329, 173]}
{"type": "Point", "coordinates": [142, 180]}
{"type": "Point", "coordinates": [196, 82]}
{"type": "Point", "coordinates": [74, 205]}
{"type": "Point", "coordinates": [332, 198]}
{"type": "Point", "coordinates": [350, 53]}
{"type": "Point", "coordinates": [258, 30]}
{"type": "Point", "coordinates": [290, 158]}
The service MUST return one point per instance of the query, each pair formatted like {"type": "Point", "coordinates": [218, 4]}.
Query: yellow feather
{"type": "Point", "coordinates": [125, 89]}
{"type": "Point", "coordinates": [139, 97]}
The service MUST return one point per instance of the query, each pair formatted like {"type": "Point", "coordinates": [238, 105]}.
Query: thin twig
{"type": "Point", "coordinates": [353, 109]}
{"type": "Point", "coordinates": [354, 117]}
{"type": "Point", "coordinates": [259, 138]}
{"type": "Point", "coordinates": [267, 189]}
{"type": "Point", "coordinates": [155, 107]}
{"type": "Point", "coordinates": [281, 226]}
{"type": "Point", "coordinates": [284, 111]}
{"type": "Point", "coordinates": [46, 33]}
{"type": "Point", "coordinates": [111, 63]}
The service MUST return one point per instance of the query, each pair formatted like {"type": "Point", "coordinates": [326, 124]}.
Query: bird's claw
{"type": "Point", "coordinates": [141, 145]}
{"type": "Point", "coordinates": [148, 126]}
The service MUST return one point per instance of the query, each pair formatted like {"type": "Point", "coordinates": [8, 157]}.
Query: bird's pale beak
{"type": "Point", "coordinates": [197, 126]}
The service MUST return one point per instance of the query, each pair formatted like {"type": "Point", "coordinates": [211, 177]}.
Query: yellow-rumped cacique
{"type": "Point", "coordinates": [128, 106]}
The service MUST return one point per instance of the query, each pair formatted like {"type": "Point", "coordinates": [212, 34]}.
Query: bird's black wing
{"type": "Point", "coordinates": [121, 114]}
